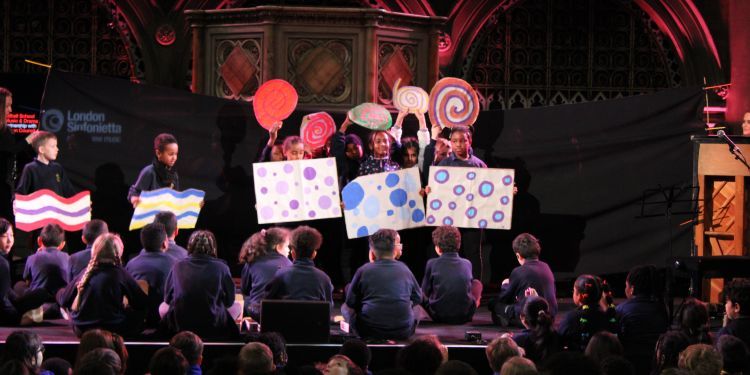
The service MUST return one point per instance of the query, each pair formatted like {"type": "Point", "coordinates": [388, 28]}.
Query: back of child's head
{"type": "Point", "coordinates": [305, 241]}
{"type": "Point", "coordinates": [262, 243]}
{"type": "Point", "coordinates": [99, 361]}
{"type": "Point", "coordinates": [57, 366]}
{"type": "Point", "coordinates": [420, 357]}
{"type": "Point", "coordinates": [589, 289]}
{"type": "Point", "coordinates": [255, 358]}
{"type": "Point", "coordinates": [168, 219]}
{"type": "Point", "coordinates": [40, 139]}
{"type": "Point", "coordinates": [602, 345]}
{"type": "Point", "coordinates": [447, 238]}
{"type": "Point", "coordinates": [277, 344]}
{"type": "Point", "coordinates": [94, 229]}
{"type": "Point", "coordinates": [358, 351]}
{"type": "Point", "coordinates": [455, 367]}
{"type": "Point", "coordinates": [4, 225]}
{"type": "Point", "coordinates": [99, 338]}
{"type": "Point", "coordinates": [527, 246]}
{"type": "Point", "coordinates": [190, 344]}
{"type": "Point", "coordinates": [693, 318]}
{"type": "Point", "coordinates": [617, 365]}
{"type": "Point", "coordinates": [22, 346]}
{"type": "Point", "coordinates": [168, 361]}
{"type": "Point", "coordinates": [152, 237]}
{"type": "Point", "coordinates": [52, 235]}
{"type": "Point", "coordinates": [202, 242]}
{"type": "Point", "coordinates": [668, 349]}
{"type": "Point", "coordinates": [500, 350]}
{"type": "Point", "coordinates": [570, 362]}
{"type": "Point", "coordinates": [162, 140]}
{"type": "Point", "coordinates": [643, 280]}
{"type": "Point", "coordinates": [738, 292]}
{"type": "Point", "coordinates": [518, 366]}
{"type": "Point", "coordinates": [16, 367]}
{"type": "Point", "coordinates": [701, 359]}
{"type": "Point", "coordinates": [383, 243]}
{"type": "Point", "coordinates": [735, 354]}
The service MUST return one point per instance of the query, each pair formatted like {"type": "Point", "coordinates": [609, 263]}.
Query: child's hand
{"type": "Point", "coordinates": [134, 200]}
{"type": "Point", "coordinates": [273, 133]}
{"type": "Point", "coordinates": [424, 191]}
{"type": "Point", "coordinates": [506, 281]}
{"type": "Point", "coordinates": [436, 131]}
{"type": "Point", "coordinates": [530, 292]}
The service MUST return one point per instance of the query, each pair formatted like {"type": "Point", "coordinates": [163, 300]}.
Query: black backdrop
{"type": "Point", "coordinates": [581, 168]}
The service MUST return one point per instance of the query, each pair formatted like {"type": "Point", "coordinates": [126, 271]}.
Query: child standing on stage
{"type": "Point", "coordinates": [263, 254]}
{"type": "Point", "coordinates": [43, 172]}
{"type": "Point", "coordinates": [291, 149]}
{"type": "Point", "coordinates": [160, 173]}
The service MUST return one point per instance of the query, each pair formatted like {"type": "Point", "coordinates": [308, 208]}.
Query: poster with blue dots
{"type": "Point", "coordinates": [383, 200]}
{"type": "Point", "coordinates": [297, 190]}
{"type": "Point", "coordinates": [470, 197]}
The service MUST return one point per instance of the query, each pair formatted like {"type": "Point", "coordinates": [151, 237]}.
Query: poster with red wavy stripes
{"type": "Point", "coordinates": [43, 207]}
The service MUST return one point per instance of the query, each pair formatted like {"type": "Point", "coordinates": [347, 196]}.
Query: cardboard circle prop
{"type": "Point", "coordinates": [316, 129]}
{"type": "Point", "coordinates": [370, 115]}
{"type": "Point", "coordinates": [411, 99]}
{"type": "Point", "coordinates": [275, 100]}
{"type": "Point", "coordinates": [453, 102]}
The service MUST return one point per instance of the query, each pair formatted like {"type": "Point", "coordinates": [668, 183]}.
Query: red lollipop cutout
{"type": "Point", "coordinates": [316, 129]}
{"type": "Point", "coordinates": [275, 100]}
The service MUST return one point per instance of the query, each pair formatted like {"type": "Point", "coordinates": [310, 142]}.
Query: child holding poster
{"type": "Point", "coordinates": [293, 148]}
{"type": "Point", "coordinates": [43, 172]}
{"type": "Point", "coordinates": [160, 173]}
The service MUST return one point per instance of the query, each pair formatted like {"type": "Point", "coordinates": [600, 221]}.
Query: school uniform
{"type": "Point", "coordinates": [78, 262]}
{"type": "Point", "coordinates": [47, 269]}
{"type": "Point", "coordinates": [738, 327]}
{"type": "Point", "coordinates": [532, 274]}
{"type": "Point", "coordinates": [552, 344]}
{"type": "Point", "coordinates": [642, 319]}
{"type": "Point", "coordinates": [380, 299]}
{"type": "Point", "coordinates": [447, 287]}
{"type": "Point", "coordinates": [11, 306]}
{"type": "Point", "coordinates": [153, 267]}
{"type": "Point", "coordinates": [101, 303]}
{"type": "Point", "coordinates": [301, 281]}
{"type": "Point", "coordinates": [154, 176]}
{"type": "Point", "coordinates": [37, 176]}
{"type": "Point", "coordinates": [371, 165]}
{"type": "Point", "coordinates": [579, 326]}
{"type": "Point", "coordinates": [347, 168]}
{"type": "Point", "coordinates": [176, 251]}
{"type": "Point", "coordinates": [255, 279]}
{"type": "Point", "coordinates": [199, 290]}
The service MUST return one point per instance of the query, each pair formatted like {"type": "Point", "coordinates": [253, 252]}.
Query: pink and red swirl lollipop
{"type": "Point", "coordinates": [453, 102]}
{"type": "Point", "coordinates": [275, 100]}
{"type": "Point", "coordinates": [316, 129]}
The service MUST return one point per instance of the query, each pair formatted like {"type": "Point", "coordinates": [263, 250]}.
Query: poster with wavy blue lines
{"type": "Point", "coordinates": [186, 205]}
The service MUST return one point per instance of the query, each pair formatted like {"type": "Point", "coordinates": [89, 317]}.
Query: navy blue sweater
{"type": "Point", "coordinates": [301, 281]}
{"type": "Point", "coordinates": [37, 176]}
{"type": "Point", "coordinates": [47, 269]}
{"type": "Point", "coordinates": [447, 288]}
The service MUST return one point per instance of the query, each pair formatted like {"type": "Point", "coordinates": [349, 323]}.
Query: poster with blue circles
{"type": "Point", "coordinates": [383, 200]}
{"type": "Point", "coordinates": [297, 190]}
{"type": "Point", "coordinates": [470, 197]}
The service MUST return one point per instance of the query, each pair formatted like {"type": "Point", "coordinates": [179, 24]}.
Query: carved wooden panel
{"type": "Point", "coordinates": [321, 70]}
{"type": "Point", "coordinates": [238, 68]}
{"type": "Point", "coordinates": [396, 60]}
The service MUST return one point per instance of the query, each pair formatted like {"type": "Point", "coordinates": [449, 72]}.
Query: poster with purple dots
{"type": "Point", "coordinates": [383, 200]}
{"type": "Point", "coordinates": [470, 197]}
{"type": "Point", "coordinates": [297, 190]}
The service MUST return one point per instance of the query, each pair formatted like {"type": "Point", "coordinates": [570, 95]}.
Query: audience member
{"type": "Point", "coordinates": [168, 361]}
{"type": "Point", "coordinates": [342, 365]}
{"type": "Point", "coordinates": [518, 366]}
{"type": "Point", "coordinates": [255, 359]}
{"type": "Point", "coordinates": [263, 254]}
{"type": "Point", "coordinates": [455, 367]}
{"type": "Point", "coordinates": [579, 325]}
{"type": "Point", "coordinates": [191, 347]}
{"type": "Point", "coordinates": [737, 308]}
{"type": "Point", "coordinates": [642, 318]}
{"type": "Point", "coordinates": [617, 365]}
{"type": "Point", "coordinates": [668, 349]}
{"type": "Point", "coordinates": [277, 344]}
{"type": "Point", "coordinates": [100, 361]}
{"type": "Point", "coordinates": [539, 340]}
{"type": "Point", "coordinates": [358, 351]}
{"type": "Point", "coordinates": [531, 274]}
{"type": "Point", "coordinates": [26, 347]}
{"type": "Point", "coordinates": [570, 362]}
{"type": "Point", "coordinates": [735, 355]}
{"type": "Point", "coordinates": [694, 321]}
{"type": "Point", "coordinates": [382, 293]}
{"type": "Point", "coordinates": [98, 338]}
{"type": "Point", "coordinates": [56, 366]}
{"type": "Point", "coordinates": [451, 295]}
{"type": "Point", "coordinates": [499, 350]}
{"type": "Point", "coordinates": [604, 344]}
{"type": "Point", "coordinates": [701, 359]}
{"type": "Point", "coordinates": [420, 357]}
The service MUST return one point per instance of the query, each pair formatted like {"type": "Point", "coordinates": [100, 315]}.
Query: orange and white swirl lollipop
{"type": "Point", "coordinates": [453, 102]}
{"type": "Point", "coordinates": [410, 99]}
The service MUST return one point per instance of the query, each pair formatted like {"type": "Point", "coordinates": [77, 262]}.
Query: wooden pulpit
{"type": "Point", "coordinates": [721, 229]}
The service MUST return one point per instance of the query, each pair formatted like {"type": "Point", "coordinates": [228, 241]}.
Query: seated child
{"type": "Point", "coordinates": [737, 306]}
{"type": "Point", "coordinates": [199, 290]}
{"type": "Point", "coordinates": [96, 298]}
{"type": "Point", "coordinates": [80, 260]}
{"type": "Point", "coordinates": [160, 173]}
{"type": "Point", "coordinates": [43, 172]}
{"type": "Point", "coordinates": [588, 318]}
{"type": "Point", "coordinates": [169, 220]}
{"type": "Point", "coordinates": [302, 281]}
{"type": "Point", "coordinates": [192, 348]}
{"type": "Point", "coordinates": [642, 318]}
{"type": "Point", "coordinates": [694, 321]}
{"type": "Point", "coordinates": [263, 254]}
{"type": "Point", "coordinates": [382, 293]}
{"type": "Point", "coordinates": [152, 265]}
{"type": "Point", "coordinates": [11, 306]}
{"type": "Point", "coordinates": [48, 268]}
{"type": "Point", "coordinates": [451, 296]}
{"type": "Point", "coordinates": [532, 273]}
{"type": "Point", "coordinates": [538, 339]}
